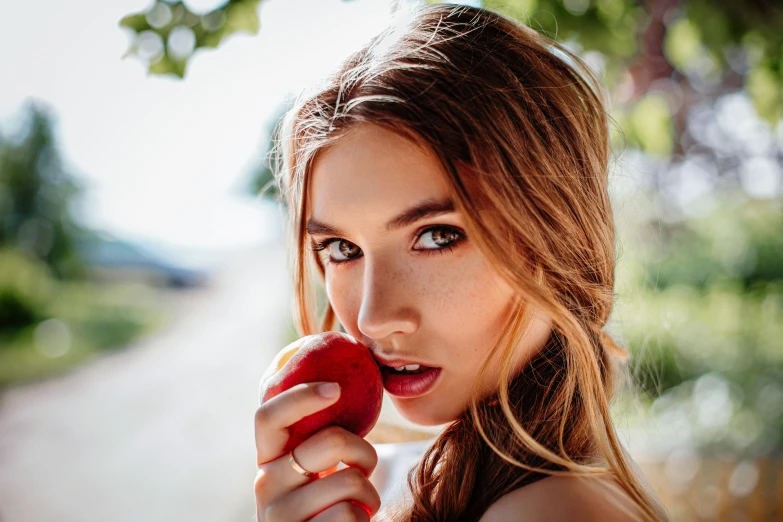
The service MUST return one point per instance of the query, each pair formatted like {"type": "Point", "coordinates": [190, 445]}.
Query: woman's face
{"type": "Point", "coordinates": [409, 284]}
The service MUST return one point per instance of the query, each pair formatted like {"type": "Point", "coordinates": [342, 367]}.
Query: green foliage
{"type": "Point", "coordinates": [649, 124]}
{"type": "Point", "coordinates": [700, 304]}
{"type": "Point", "coordinates": [16, 309]}
{"type": "Point", "coordinates": [709, 44]}
{"type": "Point", "coordinates": [48, 325]}
{"type": "Point", "coordinates": [25, 286]}
{"type": "Point", "coordinates": [766, 90]}
{"type": "Point", "coordinates": [739, 241]}
{"type": "Point", "coordinates": [50, 318]}
{"type": "Point", "coordinates": [683, 43]}
{"type": "Point", "coordinates": [263, 183]}
{"type": "Point", "coordinates": [168, 32]}
{"type": "Point", "coordinates": [36, 195]}
{"type": "Point", "coordinates": [262, 180]}
{"type": "Point", "coordinates": [718, 329]}
{"type": "Point", "coordinates": [608, 26]}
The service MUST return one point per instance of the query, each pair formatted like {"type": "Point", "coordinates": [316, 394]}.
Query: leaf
{"type": "Point", "coordinates": [168, 65]}
{"type": "Point", "coordinates": [766, 92]}
{"type": "Point", "coordinates": [683, 43]}
{"type": "Point", "coordinates": [652, 124]}
{"type": "Point", "coordinates": [239, 16]}
{"type": "Point", "coordinates": [137, 22]}
{"type": "Point", "coordinates": [242, 15]}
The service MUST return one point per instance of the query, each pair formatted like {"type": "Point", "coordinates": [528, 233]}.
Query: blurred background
{"type": "Point", "coordinates": [143, 285]}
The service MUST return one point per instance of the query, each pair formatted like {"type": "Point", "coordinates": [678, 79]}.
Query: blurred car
{"type": "Point", "coordinates": [112, 258]}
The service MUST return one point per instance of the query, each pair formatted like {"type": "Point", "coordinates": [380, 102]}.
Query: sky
{"type": "Point", "coordinates": [162, 159]}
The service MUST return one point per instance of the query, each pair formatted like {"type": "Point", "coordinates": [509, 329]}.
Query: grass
{"type": "Point", "coordinates": [79, 321]}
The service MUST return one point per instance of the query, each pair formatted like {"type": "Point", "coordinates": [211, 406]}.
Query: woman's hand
{"type": "Point", "coordinates": [283, 494]}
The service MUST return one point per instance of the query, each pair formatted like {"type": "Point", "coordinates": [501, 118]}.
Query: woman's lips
{"type": "Point", "coordinates": [409, 385]}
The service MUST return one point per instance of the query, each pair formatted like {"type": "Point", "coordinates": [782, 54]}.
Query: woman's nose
{"type": "Point", "coordinates": [388, 304]}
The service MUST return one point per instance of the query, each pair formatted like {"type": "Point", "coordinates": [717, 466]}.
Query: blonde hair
{"type": "Point", "coordinates": [519, 125]}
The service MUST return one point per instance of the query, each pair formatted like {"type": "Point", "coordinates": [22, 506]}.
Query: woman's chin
{"type": "Point", "coordinates": [421, 413]}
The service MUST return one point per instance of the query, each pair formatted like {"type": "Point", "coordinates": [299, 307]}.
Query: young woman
{"type": "Point", "coordinates": [448, 184]}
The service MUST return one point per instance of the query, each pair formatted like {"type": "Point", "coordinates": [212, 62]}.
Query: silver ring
{"type": "Point", "coordinates": [299, 469]}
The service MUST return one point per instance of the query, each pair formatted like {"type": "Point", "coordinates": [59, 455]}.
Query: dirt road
{"type": "Point", "coordinates": [161, 431]}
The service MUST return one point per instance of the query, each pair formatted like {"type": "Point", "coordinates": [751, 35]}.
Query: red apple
{"type": "Point", "coordinates": [328, 357]}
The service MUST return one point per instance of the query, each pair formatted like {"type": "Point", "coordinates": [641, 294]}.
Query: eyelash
{"type": "Point", "coordinates": [318, 246]}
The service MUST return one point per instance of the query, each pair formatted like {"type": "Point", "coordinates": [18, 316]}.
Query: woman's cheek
{"type": "Point", "coordinates": [341, 296]}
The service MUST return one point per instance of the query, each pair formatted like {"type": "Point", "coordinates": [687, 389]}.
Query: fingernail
{"type": "Point", "coordinates": [328, 389]}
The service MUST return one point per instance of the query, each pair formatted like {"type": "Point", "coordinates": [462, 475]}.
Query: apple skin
{"type": "Point", "coordinates": [328, 357]}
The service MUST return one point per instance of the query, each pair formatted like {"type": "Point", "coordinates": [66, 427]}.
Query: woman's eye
{"type": "Point", "coordinates": [438, 237]}
{"type": "Point", "coordinates": [342, 250]}
{"type": "Point", "coordinates": [434, 239]}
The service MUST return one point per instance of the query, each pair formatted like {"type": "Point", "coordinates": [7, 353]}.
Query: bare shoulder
{"type": "Point", "coordinates": [561, 499]}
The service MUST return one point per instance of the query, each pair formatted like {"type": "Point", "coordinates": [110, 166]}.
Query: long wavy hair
{"type": "Point", "coordinates": [520, 127]}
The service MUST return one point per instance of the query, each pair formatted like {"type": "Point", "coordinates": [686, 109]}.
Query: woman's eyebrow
{"type": "Point", "coordinates": [425, 209]}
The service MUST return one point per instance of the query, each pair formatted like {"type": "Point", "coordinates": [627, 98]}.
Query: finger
{"type": "Point", "coordinates": [276, 478]}
{"type": "Point", "coordinates": [342, 512]}
{"type": "Point", "coordinates": [274, 416]}
{"type": "Point", "coordinates": [332, 445]}
{"type": "Point", "coordinates": [329, 471]}
{"type": "Point", "coordinates": [322, 454]}
{"type": "Point", "coordinates": [307, 501]}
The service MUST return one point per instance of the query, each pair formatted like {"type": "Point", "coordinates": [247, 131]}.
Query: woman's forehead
{"type": "Point", "coordinates": [371, 174]}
